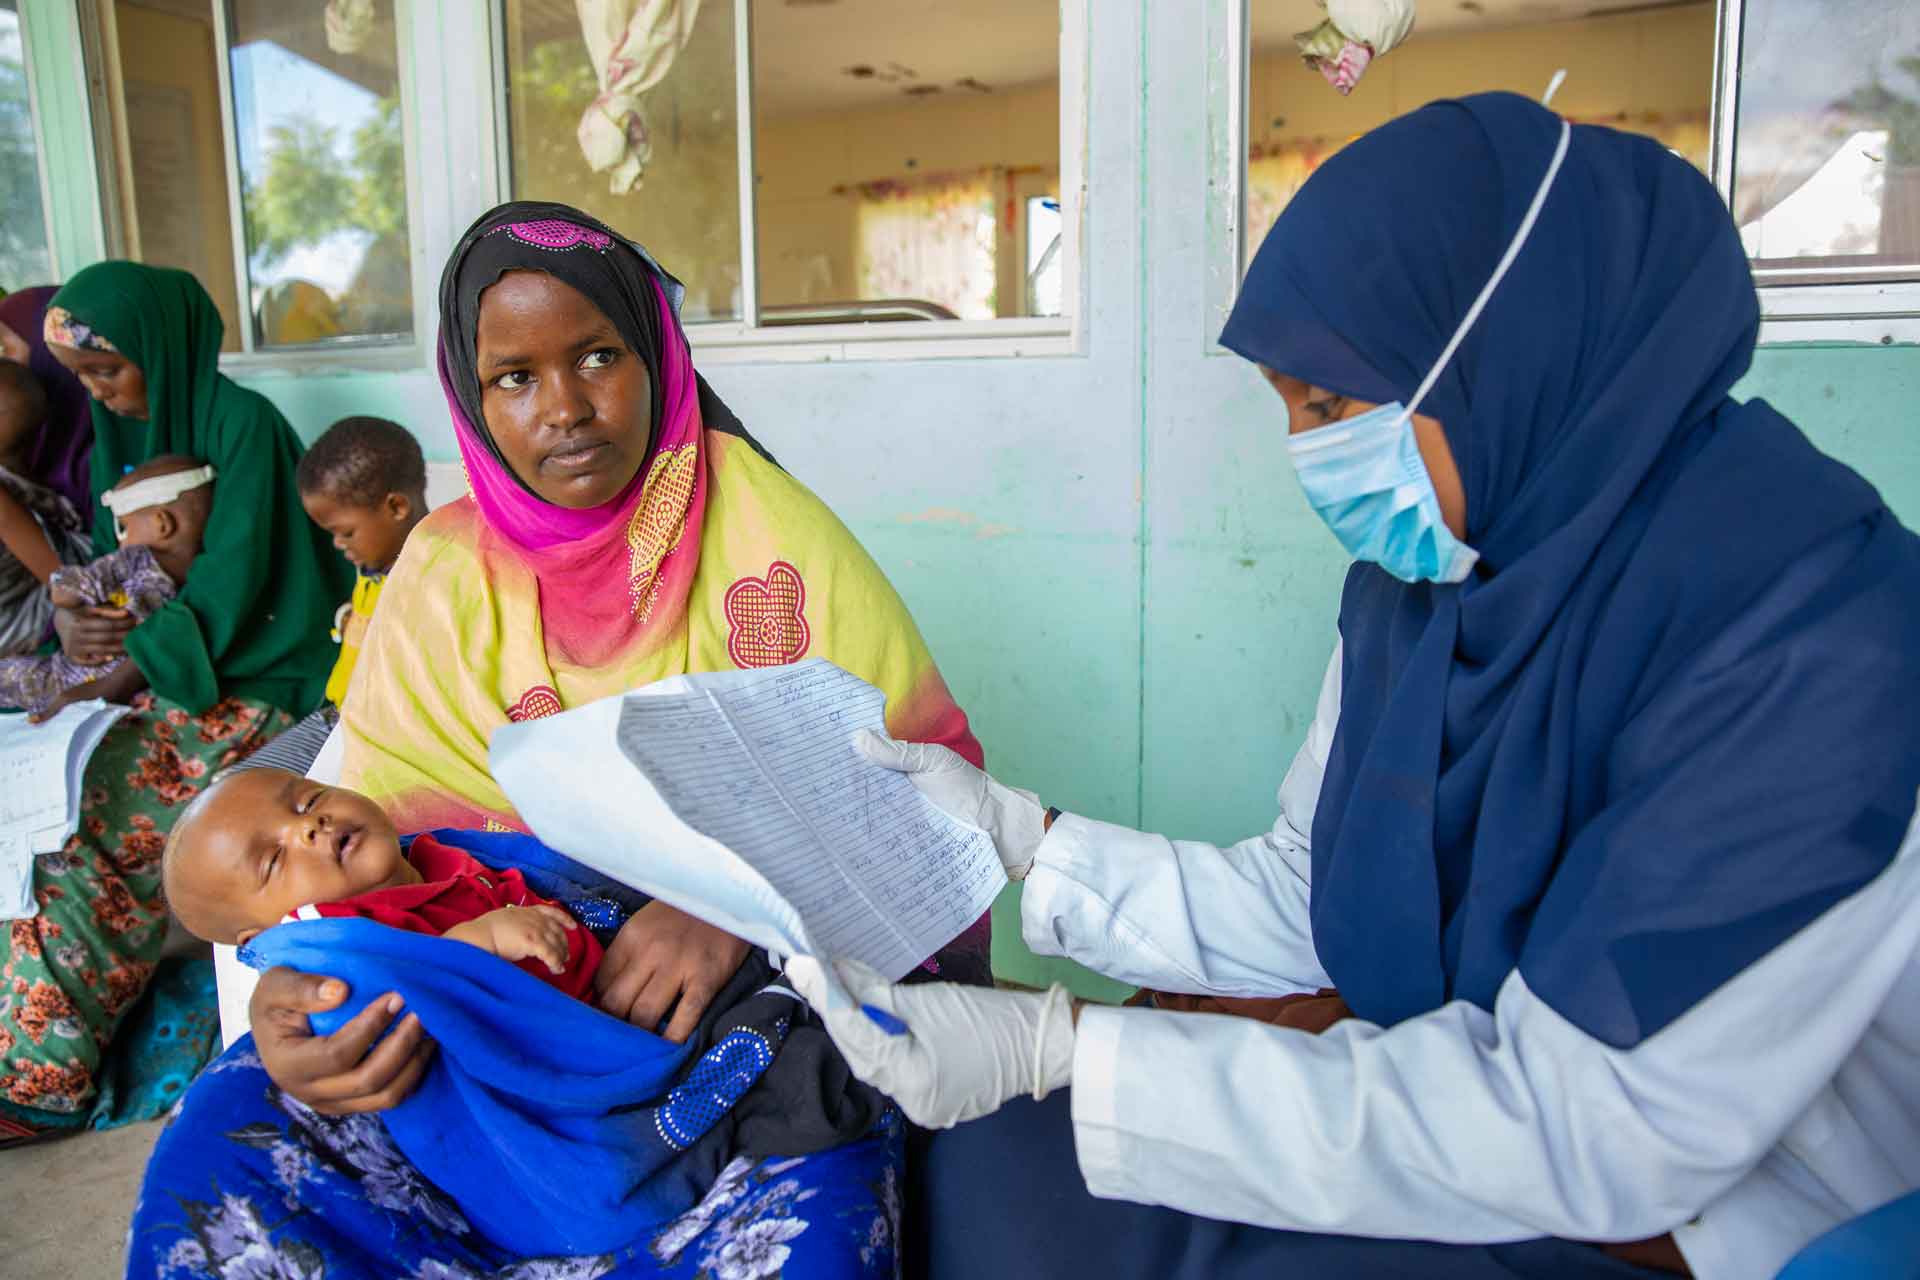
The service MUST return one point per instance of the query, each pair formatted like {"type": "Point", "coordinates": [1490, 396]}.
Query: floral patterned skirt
{"type": "Point", "coordinates": [73, 971]}
{"type": "Point", "coordinates": [247, 1182]}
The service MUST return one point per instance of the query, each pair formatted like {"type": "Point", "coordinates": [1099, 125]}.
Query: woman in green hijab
{"type": "Point", "coordinates": [240, 652]}
{"type": "Point", "coordinates": [253, 616]}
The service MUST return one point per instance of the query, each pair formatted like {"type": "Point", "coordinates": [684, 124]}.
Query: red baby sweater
{"type": "Point", "coordinates": [454, 889]}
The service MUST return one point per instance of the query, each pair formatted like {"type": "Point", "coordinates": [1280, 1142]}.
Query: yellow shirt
{"type": "Point", "coordinates": [350, 631]}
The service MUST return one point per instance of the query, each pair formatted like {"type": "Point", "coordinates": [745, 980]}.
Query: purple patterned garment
{"type": "Point", "coordinates": [129, 579]}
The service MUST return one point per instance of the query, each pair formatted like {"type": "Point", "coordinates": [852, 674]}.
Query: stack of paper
{"type": "Point", "coordinates": [738, 797]}
{"type": "Point", "coordinates": [41, 766]}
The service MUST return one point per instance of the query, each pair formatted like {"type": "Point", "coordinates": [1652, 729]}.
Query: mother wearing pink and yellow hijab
{"type": "Point", "coordinates": [621, 526]}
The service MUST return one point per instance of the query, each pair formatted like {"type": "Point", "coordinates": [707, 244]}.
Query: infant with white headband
{"type": "Point", "coordinates": [160, 511]}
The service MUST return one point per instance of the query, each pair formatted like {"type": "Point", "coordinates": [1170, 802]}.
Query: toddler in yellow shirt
{"type": "Point", "coordinates": [365, 482]}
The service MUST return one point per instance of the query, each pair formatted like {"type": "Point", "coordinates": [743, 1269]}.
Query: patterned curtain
{"type": "Point", "coordinates": [929, 238]}
{"type": "Point", "coordinates": [1276, 171]}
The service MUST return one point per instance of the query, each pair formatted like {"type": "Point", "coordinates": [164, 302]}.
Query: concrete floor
{"type": "Point", "coordinates": [65, 1204]}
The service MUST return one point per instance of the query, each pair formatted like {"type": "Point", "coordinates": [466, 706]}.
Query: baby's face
{"type": "Point", "coordinates": [267, 841]}
{"type": "Point", "coordinates": [142, 528]}
{"type": "Point", "coordinates": [181, 524]}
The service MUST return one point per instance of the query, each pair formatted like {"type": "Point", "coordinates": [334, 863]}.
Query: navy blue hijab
{"type": "Point", "coordinates": [1671, 717]}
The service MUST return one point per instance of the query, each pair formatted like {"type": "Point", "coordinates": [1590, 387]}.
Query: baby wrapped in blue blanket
{"type": "Point", "coordinates": [557, 1128]}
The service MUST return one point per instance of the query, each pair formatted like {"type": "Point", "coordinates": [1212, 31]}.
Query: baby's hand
{"type": "Point", "coordinates": [520, 933]}
{"type": "Point", "coordinates": [78, 693]}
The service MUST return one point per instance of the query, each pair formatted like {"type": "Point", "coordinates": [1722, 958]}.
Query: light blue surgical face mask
{"type": "Point", "coordinates": [1365, 476]}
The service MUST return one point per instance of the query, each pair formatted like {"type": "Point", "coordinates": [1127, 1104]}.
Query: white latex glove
{"type": "Point", "coordinates": [966, 1052]}
{"type": "Point", "coordinates": [1014, 818]}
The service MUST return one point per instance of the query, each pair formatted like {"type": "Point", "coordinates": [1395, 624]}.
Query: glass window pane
{"type": "Point", "coordinates": [1647, 69]}
{"type": "Point", "coordinates": [323, 174]}
{"type": "Point", "coordinates": [163, 98]}
{"type": "Point", "coordinates": [895, 150]}
{"type": "Point", "coordinates": [1826, 157]}
{"type": "Point", "coordinates": [668, 135]}
{"type": "Point", "coordinates": [24, 258]}
{"type": "Point", "coordinates": [1044, 232]}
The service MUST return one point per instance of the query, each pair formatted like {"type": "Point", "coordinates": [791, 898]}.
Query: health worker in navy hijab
{"type": "Point", "coordinates": [1584, 943]}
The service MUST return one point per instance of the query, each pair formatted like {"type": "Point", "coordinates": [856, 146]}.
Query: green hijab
{"type": "Point", "coordinates": [254, 615]}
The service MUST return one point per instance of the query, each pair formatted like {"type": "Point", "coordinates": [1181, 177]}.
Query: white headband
{"type": "Point", "coordinates": [154, 491]}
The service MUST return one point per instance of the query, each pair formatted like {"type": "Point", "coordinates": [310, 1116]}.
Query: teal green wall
{"type": "Point", "coordinates": [1106, 551]}
{"type": "Point", "coordinates": [1861, 404]}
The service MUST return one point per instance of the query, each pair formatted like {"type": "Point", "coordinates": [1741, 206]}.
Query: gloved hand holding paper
{"type": "Point", "coordinates": [738, 796]}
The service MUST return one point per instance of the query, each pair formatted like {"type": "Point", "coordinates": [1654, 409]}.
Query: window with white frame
{"type": "Point", "coordinates": [1811, 126]}
{"type": "Point", "coordinates": [24, 255]}
{"type": "Point", "coordinates": [1820, 152]}
{"type": "Point", "coordinates": [901, 160]}
{"type": "Point", "coordinates": [1645, 68]}
{"type": "Point", "coordinates": [259, 145]}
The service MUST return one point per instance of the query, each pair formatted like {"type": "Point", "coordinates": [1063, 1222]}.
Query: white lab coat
{"type": "Point", "coordinates": [1784, 1103]}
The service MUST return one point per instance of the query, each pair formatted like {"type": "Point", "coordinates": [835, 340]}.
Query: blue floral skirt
{"type": "Point", "coordinates": [248, 1184]}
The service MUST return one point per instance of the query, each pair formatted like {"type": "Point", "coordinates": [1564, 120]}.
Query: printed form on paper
{"type": "Point", "coordinates": [41, 768]}
{"type": "Point", "coordinates": [738, 796]}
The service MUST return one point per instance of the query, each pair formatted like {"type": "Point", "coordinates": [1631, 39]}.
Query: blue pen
{"type": "Point", "coordinates": [882, 1019]}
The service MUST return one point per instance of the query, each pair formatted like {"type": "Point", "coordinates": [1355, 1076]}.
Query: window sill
{"type": "Point", "coordinates": [1883, 314]}
{"type": "Point", "coordinates": [725, 343]}
{"type": "Point", "coordinates": [403, 357]}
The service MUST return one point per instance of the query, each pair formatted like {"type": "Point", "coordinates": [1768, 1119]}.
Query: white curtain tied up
{"type": "Point", "coordinates": [633, 44]}
{"type": "Point", "coordinates": [1354, 34]}
{"type": "Point", "coordinates": [348, 24]}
